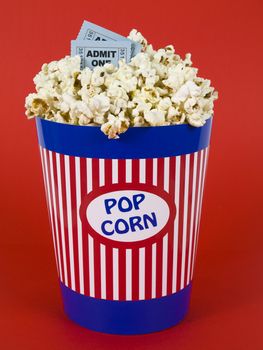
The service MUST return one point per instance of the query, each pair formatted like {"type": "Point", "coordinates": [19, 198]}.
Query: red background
{"type": "Point", "coordinates": [225, 38]}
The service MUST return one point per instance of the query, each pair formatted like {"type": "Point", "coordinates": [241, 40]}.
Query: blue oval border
{"type": "Point", "coordinates": [136, 142]}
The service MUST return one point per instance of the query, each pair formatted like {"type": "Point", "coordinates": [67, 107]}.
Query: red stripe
{"type": "Point", "coordinates": [97, 269]}
{"type": "Point", "coordinates": [171, 230]}
{"type": "Point", "coordinates": [74, 210]}
{"type": "Point", "coordinates": [108, 172]}
{"type": "Point", "coordinates": [52, 226]}
{"type": "Point", "coordinates": [58, 241]}
{"type": "Point", "coordinates": [108, 250]}
{"type": "Point", "coordinates": [195, 209]}
{"type": "Point", "coordinates": [97, 264]}
{"type": "Point", "coordinates": [190, 196]}
{"type": "Point", "coordinates": [149, 171]}
{"type": "Point", "coordinates": [148, 272]}
{"type": "Point", "coordinates": [83, 187]}
{"type": "Point", "coordinates": [64, 206]}
{"type": "Point", "coordinates": [59, 244]}
{"type": "Point", "coordinates": [95, 173]}
{"type": "Point", "coordinates": [135, 171]}
{"type": "Point", "coordinates": [148, 249]}
{"type": "Point", "coordinates": [122, 274]}
{"type": "Point", "coordinates": [199, 176]}
{"type": "Point", "coordinates": [135, 274]}
{"type": "Point", "coordinates": [45, 183]}
{"type": "Point", "coordinates": [159, 245]}
{"type": "Point", "coordinates": [180, 222]}
{"type": "Point", "coordinates": [109, 273]}
{"type": "Point", "coordinates": [121, 171]}
{"type": "Point", "coordinates": [53, 212]}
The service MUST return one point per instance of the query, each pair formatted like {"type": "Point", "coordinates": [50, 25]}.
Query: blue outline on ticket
{"type": "Point", "coordinates": [93, 32]}
{"type": "Point", "coordinates": [97, 53]}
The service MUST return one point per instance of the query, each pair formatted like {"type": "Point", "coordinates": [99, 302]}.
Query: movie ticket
{"type": "Point", "coordinates": [91, 31]}
{"type": "Point", "coordinates": [94, 54]}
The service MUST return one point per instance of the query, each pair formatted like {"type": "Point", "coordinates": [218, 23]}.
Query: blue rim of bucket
{"type": "Point", "coordinates": [126, 317]}
{"type": "Point", "coordinates": [136, 142]}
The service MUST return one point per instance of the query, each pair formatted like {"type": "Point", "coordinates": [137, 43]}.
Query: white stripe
{"type": "Point", "coordinates": [102, 172]}
{"type": "Point", "coordinates": [89, 174]}
{"type": "Point", "coordinates": [142, 170]}
{"type": "Point", "coordinates": [60, 204]}
{"type": "Point", "coordinates": [69, 217]}
{"type": "Point", "coordinates": [155, 171]}
{"type": "Point", "coordinates": [91, 266]}
{"type": "Point", "coordinates": [115, 253]}
{"type": "Point", "coordinates": [79, 224]}
{"type": "Point", "coordinates": [165, 263]}
{"type": "Point", "coordinates": [114, 171]}
{"type": "Point", "coordinates": [53, 191]}
{"type": "Point", "coordinates": [128, 274]}
{"type": "Point", "coordinates": [44, 178]}
{"type": "Point", "coordinates": [154, 270]}
{"type": "Point", "coordinates": [175, 247]}
{"type": "Point", "coordinates": [197, 208]}
{"type": "Point", "coordinates": [141, 273]}
{"type": "Point", "coordinates": [200, 202]}
{"type": "Point", "coordinates": [202, 188]}
{"type": "Point", "coordinates": [128, 163]}
{"type": "Point", "coordinates": [192, 217]}
{"type": "Point", "coordinates": [166, 173]}
{"type": "Point", "coordinates": [49, 206]}
{"type": "Point", "coordinates": [186, 186]}
{"type": "Point", "coordinates": [103, 270]}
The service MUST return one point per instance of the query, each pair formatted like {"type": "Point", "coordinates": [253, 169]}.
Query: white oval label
{"type": "Point", "coordinates": [127, 215]}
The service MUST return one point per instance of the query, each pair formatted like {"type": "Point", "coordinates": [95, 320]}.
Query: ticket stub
{"type": "Point", "coordinates": [91, 31]}
{"type": "Point", "coordinates": [94, 54]}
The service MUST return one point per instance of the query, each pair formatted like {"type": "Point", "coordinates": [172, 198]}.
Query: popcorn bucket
{"type": "Point", "coordinates": [125, 218]}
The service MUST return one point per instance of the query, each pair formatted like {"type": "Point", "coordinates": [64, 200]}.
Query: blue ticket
{"type": "Point", "coordinates": [98, 53]}
{"type": "Point", "coordinates": [91, 31]}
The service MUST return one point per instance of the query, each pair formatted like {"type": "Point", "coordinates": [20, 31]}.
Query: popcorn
{"type": "Point", "coordinates": [85, 77]}
{"type": "Point", "coordinates": [165, 103]}
{"type": "Point", "coordinates": [141, 108]}
{"type": "Point", "coordinates": [173, 115]}
{"type": "Point", "coordinates": [138, 121]}
{"type": "Point", "coordinates": [137, 37]}
{"type": "Point", "coordinates": [115, 125]}
{"type": "Point", "coordinates": [195, 119]}
{"type": "Point", "coordinates": [155, 117]}
{"type": "Point", "coordinates": [99, 104]}
{"type": "Point", "coordinates": [98, 76]}
{"type": "Point", "coordinates": [189, 89]}
{"type": "Point", "coordinates": [154, 88]}
{"type": "Point", "coordinates": [116, 90]}
{"type": "Point", "coordinates": [37, 106]}
{"type": "Point", "coordinates": [80, 109]}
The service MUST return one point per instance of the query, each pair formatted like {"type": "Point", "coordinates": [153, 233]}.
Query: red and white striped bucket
{"type": "Point", "coordinates": [141, 247]}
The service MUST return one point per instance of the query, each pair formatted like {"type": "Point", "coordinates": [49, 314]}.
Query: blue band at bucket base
{"type": "Point", "coordinates": [136, 142]}
{"type": "Point", "coordinates": [126, 317]}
